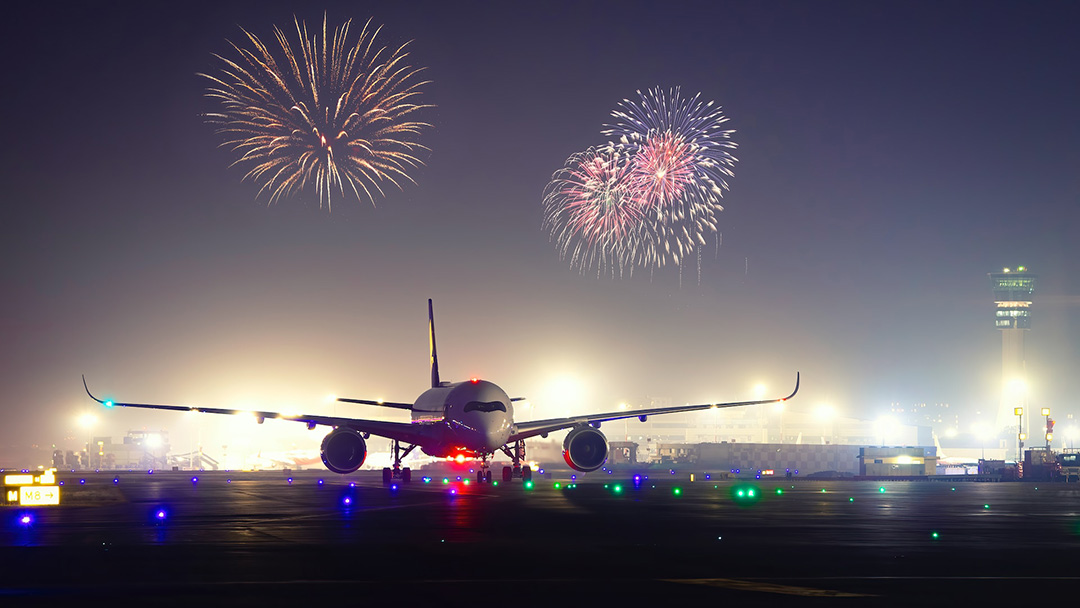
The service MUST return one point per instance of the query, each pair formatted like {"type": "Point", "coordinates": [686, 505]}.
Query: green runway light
{"type": "Point", "coordinates": [881, 489]}
{"type": "Point", "coordinates": [933, 535]}
{"type": "Point", "coordinates": [822, 490]}
{"type": "Point", "coordinates": [618, 489]}
{"type": "Point", "coordinates": [466, 482]}
{"type": "Point", "coordinates": [779, 491]}
{"type": "Point", "coordinates": [986, 506]}
{"type": "Point", "coordinates": [528, 485]}
{"type": "Point", "coordinates": [676, 491]}
{"type": "Point", "coordinates": [445, 480]}
{"type": "Point", "coordinates": [557, 485]}
{"type": "Point", "coordinates": [494, 483]}
{"type": "Point", "coordinates": [852, 499]}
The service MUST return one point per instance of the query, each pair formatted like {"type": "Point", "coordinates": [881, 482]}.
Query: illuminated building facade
{"type": "Point", "coordinates": [1013, 293]}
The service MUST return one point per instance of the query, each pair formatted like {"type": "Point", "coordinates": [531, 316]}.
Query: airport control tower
{"type": "Point", "coordinates": [1013, 290]}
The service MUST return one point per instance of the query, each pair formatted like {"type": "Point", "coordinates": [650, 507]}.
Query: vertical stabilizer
{"type": "Point", "coordinates": [431, 344]}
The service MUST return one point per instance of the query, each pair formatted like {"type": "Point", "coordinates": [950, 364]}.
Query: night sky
{"type": "Point", "coordinates": [890, 155]}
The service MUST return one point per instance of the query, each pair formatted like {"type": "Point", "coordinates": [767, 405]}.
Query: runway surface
{"type": "Point", "coordinates": [259, 539]}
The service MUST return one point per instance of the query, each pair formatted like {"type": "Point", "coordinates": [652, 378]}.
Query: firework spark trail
{"type": "Point", "coordinates": [336, 115]}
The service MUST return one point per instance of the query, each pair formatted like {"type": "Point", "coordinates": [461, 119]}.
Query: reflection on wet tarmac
{"type": "Point", "coordinates": [615, 529]}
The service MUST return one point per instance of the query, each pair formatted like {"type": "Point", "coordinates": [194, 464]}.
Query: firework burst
{"type": "Point", "coordinates": [652, 195]}
{"type": "Point", "coordinates": [592, 211]}
{"type": "Point", "coordinates": [681, 161]}
{"type": "Point", "coordinates": [331, 115]}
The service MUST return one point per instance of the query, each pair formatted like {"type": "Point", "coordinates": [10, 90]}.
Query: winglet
{"type": "Point", "coordinates": [796, 388]}
{"type": "Point", "coordinates": [431, 344]}
{"type": "Point", "coordinates": [88, 391]}
{"type": "Point", "coordinates": [106, 403]}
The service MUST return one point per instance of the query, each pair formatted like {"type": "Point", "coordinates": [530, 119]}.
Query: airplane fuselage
{"type": "Point", "coordinates": [472, 418]}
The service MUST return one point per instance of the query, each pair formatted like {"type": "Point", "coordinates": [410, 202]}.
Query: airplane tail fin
{"type": "Point", "coordinates": [431, 343]}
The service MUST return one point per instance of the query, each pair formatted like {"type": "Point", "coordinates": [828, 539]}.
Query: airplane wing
{"type": "Point", "coordinates": [524, 430]}
{"type": "Point", "coordinates": [400, 406]}
{"type": "Point", "coordinates": [402, 431]}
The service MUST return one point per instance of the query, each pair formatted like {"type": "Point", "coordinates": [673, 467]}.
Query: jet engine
{"type": "Point", "coordinates": [585, 449]}
{"type": "Point", "coordinates": [343, 450]}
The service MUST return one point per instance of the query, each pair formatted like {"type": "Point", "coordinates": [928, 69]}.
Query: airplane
{"type": "Point", "coordinates": [473, 419]}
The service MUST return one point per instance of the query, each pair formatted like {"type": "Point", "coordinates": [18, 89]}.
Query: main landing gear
{"type": "Point", "coordinates": [524, 473]}
{"type": "Point", "coordinates": [397, 472]}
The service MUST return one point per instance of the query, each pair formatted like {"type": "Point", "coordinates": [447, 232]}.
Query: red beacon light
{"type": "Point", "coordinates": [474, 380]}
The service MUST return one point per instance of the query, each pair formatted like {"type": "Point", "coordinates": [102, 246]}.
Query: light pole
{"type": "Point", "coordinates": [1049, 428]}
{"type": "Point", "coordinates": [87, 420]}
{"type": "Point", "coordinates": [1020, 434]}
{"type": "Point", "coordinates": [779, 408]}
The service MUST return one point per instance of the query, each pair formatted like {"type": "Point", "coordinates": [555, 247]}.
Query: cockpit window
{"type": "Point", "coordinates": [485, 406]}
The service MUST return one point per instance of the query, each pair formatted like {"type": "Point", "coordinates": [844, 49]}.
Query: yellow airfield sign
{"type": "Point", "coordinates": [33, 490]}
{"type": "Point", "coordinates": [31, 496]}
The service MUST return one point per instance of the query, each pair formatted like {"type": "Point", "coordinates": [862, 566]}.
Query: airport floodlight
{"type": "Point", "coordinates": [759, 391]}
{"type": "Point", "coordinates": [825, 412]}
{"type": "Point", "coordinates": [1018, 411]}
{"type": "Point", "coordinates": [87, 420]}
{"type": "Point", "coordinates": [1023, 436]}
{"type": "Point", "coordinates": [1045, 411]}
{"type": "Point", "coordinates": [153, 441]}
{"type": "Point", "coordinates": [1049, 437]}
{"type": "Point", "coordinates": [950, 432]}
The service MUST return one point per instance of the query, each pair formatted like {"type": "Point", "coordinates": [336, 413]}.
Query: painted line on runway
{"type": "Point", "coordinates": [744, 585]}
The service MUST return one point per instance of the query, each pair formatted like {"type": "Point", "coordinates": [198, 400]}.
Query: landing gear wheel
{"type": "Point", "coordinates": [406, 474]}
{"type": "Point", "coordinates": [508, 474]}
{"type": "Point", "coordinates": [487, 477]}
{"type": "Point", "coordinates": [526, 473]}
{"type": "Point", "coordinates": [479, 477]}
{"type": "Point", "coordinates": [387, 475]}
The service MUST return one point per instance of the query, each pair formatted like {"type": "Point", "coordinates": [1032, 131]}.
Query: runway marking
{"type": "Point", "coordinates": [741, 585]}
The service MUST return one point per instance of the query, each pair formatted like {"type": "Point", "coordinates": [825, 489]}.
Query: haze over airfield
{"type": "Point", "coordinates": [890, 155]}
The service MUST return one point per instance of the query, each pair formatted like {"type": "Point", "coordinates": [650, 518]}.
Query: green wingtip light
{"type": "Point", "coordinates": [108, 403]}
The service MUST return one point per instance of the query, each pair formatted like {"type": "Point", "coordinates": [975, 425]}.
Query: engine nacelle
{"type": "Point", "coordinates": [585, 449]}
{"type": "Point", "coordinates": [343, 450]}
